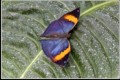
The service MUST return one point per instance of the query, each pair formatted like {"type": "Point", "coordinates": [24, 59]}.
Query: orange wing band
{"type": "Point", "coordinates": [62, 54]}
{"type": "Point", "coordinates": [71, 18]}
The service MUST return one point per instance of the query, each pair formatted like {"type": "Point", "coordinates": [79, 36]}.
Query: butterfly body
{"type": "Point", "coordinates": [56, 46]}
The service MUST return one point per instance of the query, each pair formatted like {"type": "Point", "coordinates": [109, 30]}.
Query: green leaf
{"type": "Point", "coordinates": [94, 40]}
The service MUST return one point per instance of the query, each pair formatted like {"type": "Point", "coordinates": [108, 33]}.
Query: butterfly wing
{"type": "Point", "coordinates": [69, 20]}
{"type": "Point", "coordinates": [53, 29]}
{"type": "Point", "coordinates": [63, 25]}
{"type": "Point", "coordinates": [56, 49]}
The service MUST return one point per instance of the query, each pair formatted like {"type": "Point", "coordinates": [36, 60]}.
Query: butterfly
{"type": "Point", "coordinates": [54, 41]}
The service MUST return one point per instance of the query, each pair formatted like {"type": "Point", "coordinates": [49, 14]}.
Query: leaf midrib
{"type": "Point", "coordinates": [30, 65]}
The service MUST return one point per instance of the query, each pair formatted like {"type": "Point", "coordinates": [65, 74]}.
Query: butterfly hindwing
{"type": "Point", "coordinates": [63, 25]}
{"type": "Point", "coordinates": [56, 49]}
